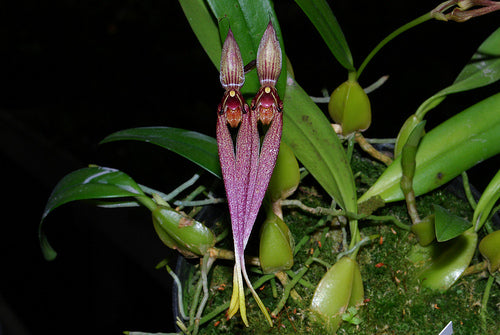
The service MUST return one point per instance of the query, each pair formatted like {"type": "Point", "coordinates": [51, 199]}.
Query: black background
{"type": "Point", "coordinates": [72, 72]}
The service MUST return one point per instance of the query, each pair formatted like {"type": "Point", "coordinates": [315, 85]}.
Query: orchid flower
{"type": "Point", "coordinates": [248, 166]}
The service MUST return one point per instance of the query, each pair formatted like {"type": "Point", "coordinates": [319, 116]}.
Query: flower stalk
{"type": "Point", "coordinates": [247, 166]}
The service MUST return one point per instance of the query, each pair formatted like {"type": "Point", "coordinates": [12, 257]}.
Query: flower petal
{"type": "Point", "coordinates": [267, 160]}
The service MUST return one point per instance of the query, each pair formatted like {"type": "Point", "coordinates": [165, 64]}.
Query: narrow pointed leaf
{"type": "Point", "coordinates": [485, 204]}
{"type": "Point", "coordinates": [454, 146]}
{"type": "Point", "coordinates": [198, 148]}
{"type": "Point", "coordinates": [204, 27]}
{"type": "Point", "coordinates": [85, 184]}
{"type": "Point", "coordinates": [483, 69]}
{"type": "Point", "coordinates": [310, 135]}
{"type": "Point", "coordinates": [321, 16]}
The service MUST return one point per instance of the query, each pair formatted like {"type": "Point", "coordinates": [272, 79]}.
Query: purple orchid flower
{"type": "Point", "coordinates": [247, 168]}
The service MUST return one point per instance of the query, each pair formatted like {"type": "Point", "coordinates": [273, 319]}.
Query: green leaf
{"type": "Point", "coordinates": [84, 184]}
{"type": "Point", "coordinates": [248, 20]}
{"type": "Point", "coordinates": [310, 135]}
{"type": "Point", "coordinates": [454, 146]}
{"type": "Point", "coordinates": [443, 263]}
{"type": "Point", "coordinates": [482, 70]}
{"type": "Point", "coordinates": [485, 204]}
{"type": "Point", "coordinates": [204, 27]}
{"type": "Point", "coordinates": [447, 225]}
{"type": "Point", "coordinates": [198, 148]}
{"type": "Point", "coordinates": [325, 22]}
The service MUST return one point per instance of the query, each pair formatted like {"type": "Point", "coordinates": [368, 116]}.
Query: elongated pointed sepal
{"type": "Point", "coordinates": [232, 77]}
{"type": "Point", "coordinates": [269, 57]}
{"type": "Point", "coordinates": [238, 297]}
{"type": "Point", "coordinates": [256, 297]}
{"type": "Point", "coordinates": [232, 74]}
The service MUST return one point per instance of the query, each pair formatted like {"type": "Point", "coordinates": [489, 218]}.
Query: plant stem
{"type": "Point", "coordinates": [194, 303]}
{"type": "Point", "coordinates": [484, 301]}
{"type": "Point", "coordinates": [195, 203]}
{"type": "Point", "coordinates": [274, 288]}
{"type": "Point", "coordinates": [179, 292]}
{"type": "Point", "coordinates": [300, 274]}
{"type": "Point", "coordinates": [147, 202]}
{"type": "Point", "coordinates": [302, 282]}
{"type": "Point", "coordinates": [337, 213]}
{"type": "Point", "coordinates": [227, 254]}
{"type": "Point", "coordinates": [322, 262]}
{"type": "Point", "coordinates": [476, 268]}
{"type": "Point", "coordinates": [182, 187]}
{"type": "Point", "coordinates": [283, 278]}
{"type": "Point", "coordinates": [200, 189]}
{"type": "Point", "coordinates": [205, 268]}
{"type": "Point", "coordinates": [467, 190]}
{"type": "Point", "coordinates": [354, 249]}
{"type": "Point", "coordinates": [391, 36]}
{"type": "Point", "coordinates": [221, 308]}
{"type": "Point", "coordinates": [368, 148]}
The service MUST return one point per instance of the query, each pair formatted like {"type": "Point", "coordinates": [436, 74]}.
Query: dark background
{"type": "Point", "coordinates": [72, 72]}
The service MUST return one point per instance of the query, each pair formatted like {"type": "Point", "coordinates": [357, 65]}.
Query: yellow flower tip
{"type": "Point", "coordinates": [257, 299]}
{"type": "Point", "coordinates": [238, 296]}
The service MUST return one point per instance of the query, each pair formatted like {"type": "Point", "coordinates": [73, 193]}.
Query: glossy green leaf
{"type": "Point", "coordinates": [204, 26]}
{"type": "Point", "coordinates": [482, 70]}
{"type": "Point", "coordinates": [310, 135]}
{"type": "Point", "coordinates": [485, 204]}
{"type": "Point", "coordinates": [454, 146]}
{"type": "Point", "coordinates": [248, 20]}
{"type": "Point", "coordinates": [443, 263]}
{"type": "Point", "coordinates": [85, 184]}
{"type": "Point", "coordinates": [447, 225]}
{"type": "Point", "coordinates": [198, 148]}
{"type": "Point", "coordinates": [321, 16]}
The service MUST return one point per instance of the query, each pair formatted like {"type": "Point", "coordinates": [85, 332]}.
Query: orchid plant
{"type": "Point", "coordinates": [247, 168]}
{"type": "Point", "coordinates": [266, 123]}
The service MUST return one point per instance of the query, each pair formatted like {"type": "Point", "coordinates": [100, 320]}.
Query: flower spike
{"type": "Point", "coordinates": [247, 166]}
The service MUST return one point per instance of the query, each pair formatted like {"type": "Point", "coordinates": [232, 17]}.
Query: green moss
{"type": "Point", "coordinates": [394, 303]}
